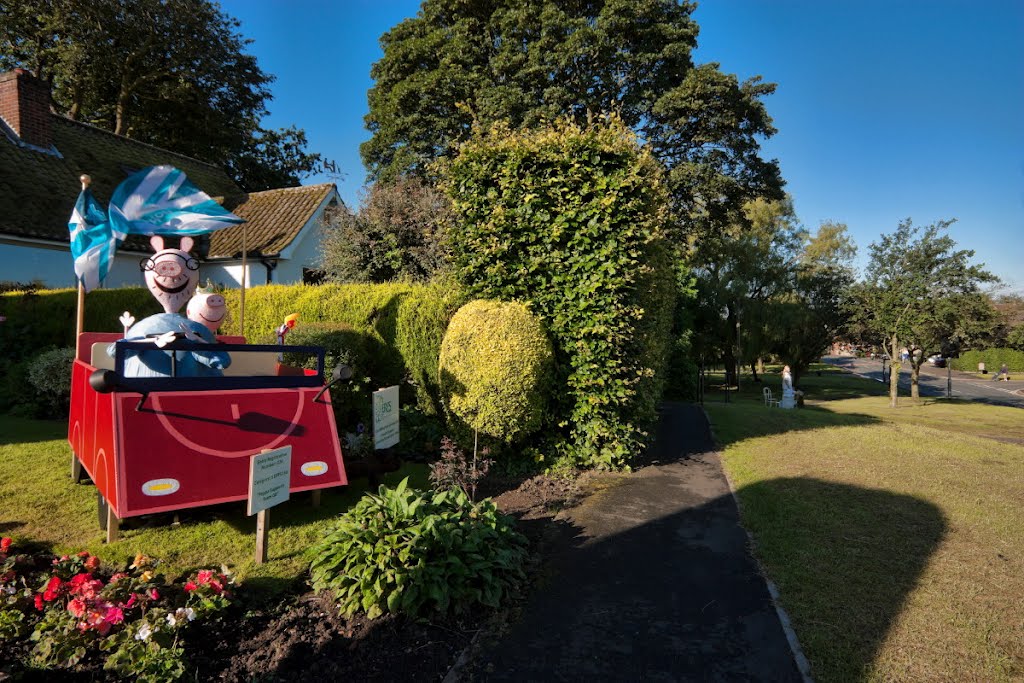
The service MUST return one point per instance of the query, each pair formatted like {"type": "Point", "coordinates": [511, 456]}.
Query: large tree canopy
{"type": "Point", "coordinates": [172, 73]}
{"type": "Point", "coordinates": [525, 62]}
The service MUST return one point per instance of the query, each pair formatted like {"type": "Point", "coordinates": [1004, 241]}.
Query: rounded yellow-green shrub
{"type": "Point", "coordinates": [496, 369]}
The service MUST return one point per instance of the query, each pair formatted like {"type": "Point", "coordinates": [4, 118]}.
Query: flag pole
{"type": "Point", "coordinates": [80, 314]}
{"type": "Point", "coordinates": [245, 274]}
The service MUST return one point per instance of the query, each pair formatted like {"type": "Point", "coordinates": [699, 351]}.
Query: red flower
{"type": "Point", "coordinates": [76, 607]}
{"type": "Point", "coordinates": [114, 615]}
{"type": "Point", "coordinates": [52, 589]}
{"type": "Point", "coordinates": [153, 595]}
{"type": "Point", "coordinates": [77, 580]}
{"type": "Point", "coordinates": [131, 601]}
{"type": "Point", "coordinates": [190, 586]}
{"type": "Point", "coordinates": [204, 576]}
{"type": "Point", "coordinates": [5, 544]}
{"type": "Point", "coordinates": [39, 602]}
{"type": "Point", "coordinates": [84, 553]}
{"type": "Point", "coordinates": [93, 563]}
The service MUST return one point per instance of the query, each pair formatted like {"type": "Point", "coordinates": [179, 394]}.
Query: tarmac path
{"type": "Point", "coordinates": [662, 588]}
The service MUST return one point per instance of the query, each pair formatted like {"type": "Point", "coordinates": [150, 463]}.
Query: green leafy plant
{"type": "Point", "coordinates": [410, 552]}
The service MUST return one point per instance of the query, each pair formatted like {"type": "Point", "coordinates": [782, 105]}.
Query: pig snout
{"type": "Point", "coordinates": [168, 268]}
{"type": "Point", "coordinates": [215, 301]}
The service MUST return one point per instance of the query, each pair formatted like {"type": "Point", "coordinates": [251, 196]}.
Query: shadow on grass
{"type": "Point", "coordinates": [19, 430]}
{"type": "Point", "coordinates": [844, 558]}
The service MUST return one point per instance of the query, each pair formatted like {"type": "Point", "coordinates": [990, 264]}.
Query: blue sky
{"type": "Point", "coordinates": [886, 109]}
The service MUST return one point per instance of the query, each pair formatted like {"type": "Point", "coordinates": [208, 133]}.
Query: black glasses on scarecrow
{"type": "Point", "coordinates": [149, 264]}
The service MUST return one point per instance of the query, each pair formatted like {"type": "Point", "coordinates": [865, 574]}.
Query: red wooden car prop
{"type": "Point", "coordinates": [155, 444]}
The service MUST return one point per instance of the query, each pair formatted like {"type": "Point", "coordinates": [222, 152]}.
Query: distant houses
{"type": "Point", "coordinates": [42, 155]}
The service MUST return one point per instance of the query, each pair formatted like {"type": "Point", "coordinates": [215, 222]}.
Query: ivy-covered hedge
{"type": "Point", "coordinates": [992, 358]}
{"type": "Point", "coordinates": [570, 220]}
{"type": "Point", "coordinates": [496, 370]}
{"type": "Point", "coordinates": [402, 324]}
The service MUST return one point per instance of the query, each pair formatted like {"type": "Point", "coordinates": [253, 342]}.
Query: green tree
{"type": "Point", "coordinates": [398, 234]}
{"type": "Point", "coordinates": [172, 73]}
{"type": "Point", "coordinates": [813, 313]}
{"type": "Point", "coordinates": [917, 283]}
{"type": "Point", "coordinates": [739, 270]}
{"type": "Point", "coordinates": [527, 62]}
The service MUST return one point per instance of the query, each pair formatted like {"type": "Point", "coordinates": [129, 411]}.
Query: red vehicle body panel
{"type": "Point", "coordinates": [192, 448]}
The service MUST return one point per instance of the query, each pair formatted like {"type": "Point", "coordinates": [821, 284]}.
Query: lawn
{"type": "Point", "coordinates": [38, 502]}
{"type": "Point", "coordinates": [896, 536]}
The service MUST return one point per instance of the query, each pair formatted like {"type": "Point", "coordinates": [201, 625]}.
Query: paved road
{"type": "Point", "coordinates": [966, 386]}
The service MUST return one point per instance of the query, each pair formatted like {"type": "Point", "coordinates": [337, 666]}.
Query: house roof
{"type": "Point", "coordinates": [274, 219]}
{"type": "Point", "coordinates": [38, 189]}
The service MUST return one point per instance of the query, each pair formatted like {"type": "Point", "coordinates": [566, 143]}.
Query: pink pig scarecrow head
{"type": "Point", "coordinates": [207, 308]}
{"type": "Point", "coordinates": [171, 274]}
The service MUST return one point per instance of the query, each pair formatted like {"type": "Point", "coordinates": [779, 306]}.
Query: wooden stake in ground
{"type": "Point", "coordinates": [269, 484]}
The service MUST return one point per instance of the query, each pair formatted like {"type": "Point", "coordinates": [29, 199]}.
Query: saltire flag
{"type": "Point", "coordinates": [161, 201]}
{"type": "Point", "coordinates": [158, 200]}
{"type": "Point", "coordinates": [92, 242]}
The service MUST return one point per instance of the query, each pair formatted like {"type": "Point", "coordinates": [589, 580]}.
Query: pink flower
{"type": "Point", "coordinates": [131, 601]}
{"type": "Point", "coordinates": [76, 607]}
{"type": "Point", "coordinates": [153, 594]}
{"type": "Point", "coordinates": [39, 602]}
{"type": "Point", "coordinates": [114, 615]}
{"type": "Point", "coordinates": [117, 577]}
{"type": "Point", "coordinates": [92, 563]}
{"type": "Point", "coordinates": [84, 553]}
{"type": "Point", "coordinates": [190, 586]}
{"type": "Point", "coordinates": [216, 586]}
{"type": "Point", "coordinates": [5, 544]}
{"type": "Point", "coordinates": [204, 576]}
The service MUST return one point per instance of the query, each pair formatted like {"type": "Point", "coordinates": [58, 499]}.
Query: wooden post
{"type": "Point", "coordinates": [262, 526]}
{"type": "Point", "coordinates": [113, 525]}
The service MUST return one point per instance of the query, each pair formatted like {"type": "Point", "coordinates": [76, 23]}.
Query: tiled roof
{"type": "Point", "coordinates": [38, 190]}
{"type": "Point", "coordinates": [273, 219]}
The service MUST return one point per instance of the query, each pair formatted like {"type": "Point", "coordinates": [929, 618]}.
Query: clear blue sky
{"type": "Point", "coordinates": [886, 109]}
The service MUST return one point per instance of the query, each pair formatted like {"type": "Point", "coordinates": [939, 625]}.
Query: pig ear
{"type": "Point", "coordinates": [186, 244]}
{"type": "Point", "coordinates": [157, 242]}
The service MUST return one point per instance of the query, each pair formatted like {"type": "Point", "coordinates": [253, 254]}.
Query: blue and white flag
{"type": "Point", "coordinates": [92, 242]}
{"type": "Point", "coordinates": [161, 201]}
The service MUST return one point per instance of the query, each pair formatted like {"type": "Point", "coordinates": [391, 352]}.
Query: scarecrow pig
{"type": "Point", "coordinates": [172, 275]}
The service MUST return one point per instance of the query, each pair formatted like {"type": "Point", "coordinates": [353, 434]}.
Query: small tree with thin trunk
{"type": "Point", "coordinates": [914, 280]}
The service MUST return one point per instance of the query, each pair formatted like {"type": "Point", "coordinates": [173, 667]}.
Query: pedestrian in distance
{"type": "Point", "coordinates": [1004, 373]}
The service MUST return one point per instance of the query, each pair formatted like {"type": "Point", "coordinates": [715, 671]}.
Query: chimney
{"type": "Point", "coordinates": [25, 107]}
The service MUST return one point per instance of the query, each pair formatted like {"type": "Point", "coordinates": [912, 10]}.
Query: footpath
{"type": "Point", "coordinates": [663, 588]}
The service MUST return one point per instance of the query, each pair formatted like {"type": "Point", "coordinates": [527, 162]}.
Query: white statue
{"type": "Point", "coordinates": [788, 395]}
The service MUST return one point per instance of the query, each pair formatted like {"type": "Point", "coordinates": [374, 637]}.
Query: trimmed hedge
{"type": "Point", "coordinates": [992, 358]}
{"type": "Point", "coordinates": [496, 370]}
{"type": "Point", "coordinates": [571, 221]}
{"type": "Point", "coordinates": [401, 324]}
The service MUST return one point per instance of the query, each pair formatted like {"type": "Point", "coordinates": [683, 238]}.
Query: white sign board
{"type": "Point", "coordinates": [270, 474]}
{"type": "Point", "coordinates": [385, 418]}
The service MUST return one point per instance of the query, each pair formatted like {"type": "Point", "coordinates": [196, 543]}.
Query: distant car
{"type": "Point", "coordinates": [937, 360]}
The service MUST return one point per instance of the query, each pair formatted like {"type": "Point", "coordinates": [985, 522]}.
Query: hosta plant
{"type": "Point", "coordinates": [415, 553]}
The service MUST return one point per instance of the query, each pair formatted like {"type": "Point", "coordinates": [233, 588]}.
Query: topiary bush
{"type": "Point", "coordinates": [571, 221]}
{"type": "Point", "coordinates": [496, 369]}
{"type": "Point", "coordinates": [49, 375]}
{"type": "Point", "coordinates": [409, 552]}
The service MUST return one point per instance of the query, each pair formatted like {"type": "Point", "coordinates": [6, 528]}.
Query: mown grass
{"type": "Point", "coordinates": [40, 504]}
{"type": "Point", "coordinates": [896, 536]}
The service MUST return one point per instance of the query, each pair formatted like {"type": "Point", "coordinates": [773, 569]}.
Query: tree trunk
{"type": "Point", "coordinates": [915, 376]}
{"type": "Point", "coordinates": [753, 370]}
{"type": "Point", "coordinates": [894, 371]}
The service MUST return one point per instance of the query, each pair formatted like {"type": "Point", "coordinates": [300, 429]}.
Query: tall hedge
{"type": "Point", "coordinates": [496, 369]}
{"type": "Point", "coordinates": [570, 220]}
{"type": "Point", "coordinates": [992, 358]}
{"type": "Point", "coordinates": [403, 323]}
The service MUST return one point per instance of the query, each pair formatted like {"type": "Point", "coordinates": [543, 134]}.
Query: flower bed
{"type": "Point", "coordinates": [68, 613]}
